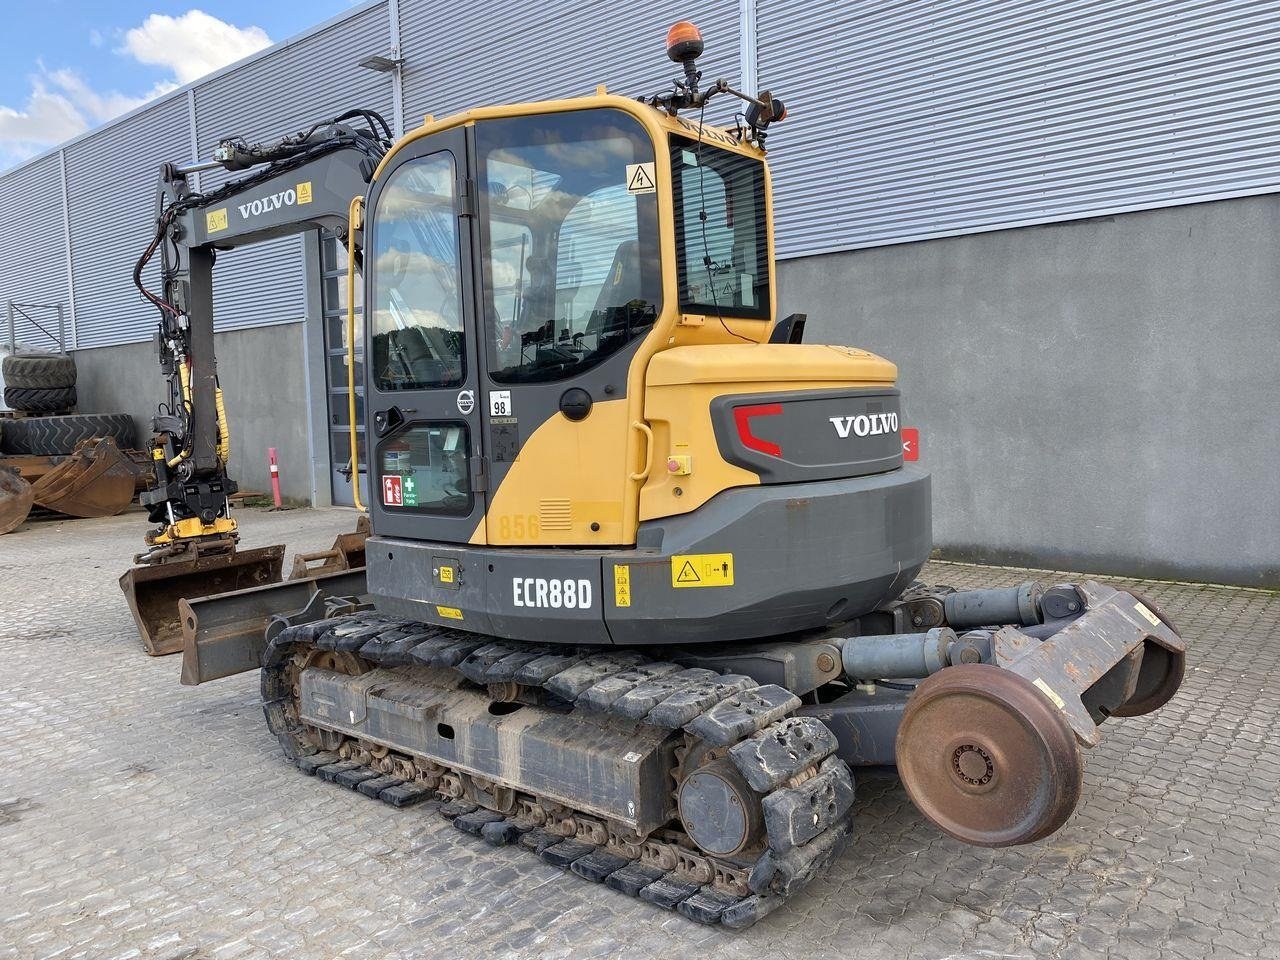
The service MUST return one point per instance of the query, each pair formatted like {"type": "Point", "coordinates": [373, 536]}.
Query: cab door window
{"type": "Point", "coordinates": [417, 298]}
{"type": "Point", "coordinates": [569, 236]}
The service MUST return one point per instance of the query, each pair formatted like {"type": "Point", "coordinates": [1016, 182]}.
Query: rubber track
{"type": "Point", "coordinates": [807, 826]}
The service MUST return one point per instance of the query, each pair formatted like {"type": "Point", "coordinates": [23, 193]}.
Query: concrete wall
{"type": "Point", "coordinates": [262, 371]}
{"type": "Point", "coordinates": [1098, 395]}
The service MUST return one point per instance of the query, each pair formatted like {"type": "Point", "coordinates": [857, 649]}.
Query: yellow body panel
{"type": "Point", "coordinates": [683, 381]}
{"type": "Point", "coordinates": [566, 478]}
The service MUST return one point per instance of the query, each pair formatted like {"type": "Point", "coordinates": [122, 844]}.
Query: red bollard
{"type": "Point", "coordinates": [275, 476]}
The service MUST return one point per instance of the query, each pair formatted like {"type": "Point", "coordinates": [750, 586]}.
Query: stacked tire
{"type": "Point", "coordinates": [39, 383]}
{"type": "Point", "coordinates": [56, 436]}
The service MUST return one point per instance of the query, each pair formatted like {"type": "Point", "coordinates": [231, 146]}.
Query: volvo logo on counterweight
{"type": "Point", "coordinates": [866, 425]}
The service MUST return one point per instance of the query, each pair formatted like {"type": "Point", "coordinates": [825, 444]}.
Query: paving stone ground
{"type": "Point", "coordinates": [140, 818]}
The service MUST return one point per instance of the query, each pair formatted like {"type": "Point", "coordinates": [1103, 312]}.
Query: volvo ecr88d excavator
{"type": "Point", "coordinates": [641, 588]}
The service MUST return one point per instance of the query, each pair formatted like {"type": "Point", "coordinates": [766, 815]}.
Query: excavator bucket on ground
{"type": "Point", "coordinates": [15, 501]}
{"type": "Point", "coordinates": [156, 592]}
{"type": "Point", "coordinates": [97, 480]}
{"type": "Point", "coordinates": [153, 590]}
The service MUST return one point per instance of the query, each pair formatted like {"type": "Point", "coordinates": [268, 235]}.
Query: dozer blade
{"type": "Point", "coordinates": [225, 634]}
{"type": "Point", "coordinates": [15, 501]}
{"type": "Point", "coordinates": [153, 591]}
{"type": "Point", "coordinates": [97, 480]}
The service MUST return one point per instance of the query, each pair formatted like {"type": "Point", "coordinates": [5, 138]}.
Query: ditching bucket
{"type": "Point", "coordinates": [97, 480]}
{"type": "Point", "coordinates": [15, 501]}
{"type": "Point", "coordinates": [153, 590]}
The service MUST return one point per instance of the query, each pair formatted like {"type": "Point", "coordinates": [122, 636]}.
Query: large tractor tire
{"type": "Point", "coordinates": [40, 399]}
{"type": "Point", "coordinates": [56, 436]}
{"type": "Point", "coordinates": [38, 371]}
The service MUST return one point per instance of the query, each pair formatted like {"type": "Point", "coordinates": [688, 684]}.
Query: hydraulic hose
{"type": "Point", "coordinates": [184, 379]}
{"type": "Point", "coordinates": [353, 224]}
{"type": "Point", "coordinates": [224, 429]}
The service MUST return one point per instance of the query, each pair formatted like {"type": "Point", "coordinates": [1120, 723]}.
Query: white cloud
{"type": "Point", "coordinates": [193, 44]}
{"type": "Point", "coordinates": [62, 104]}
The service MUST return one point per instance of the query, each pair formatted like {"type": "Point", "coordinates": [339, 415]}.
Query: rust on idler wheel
{"type": "Point", "coordinates": [987, 757]}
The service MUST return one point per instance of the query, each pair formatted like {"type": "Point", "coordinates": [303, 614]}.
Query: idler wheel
{"type": "Point", "coordinates": [1160, 675]}
{"type": "Point", "coordinates": [719, 811]}
{"type": "Point", "coordinates": [987, 757]}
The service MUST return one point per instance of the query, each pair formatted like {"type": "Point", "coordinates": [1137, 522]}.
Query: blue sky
{"type": "Point", "coordinates": [71, 64]}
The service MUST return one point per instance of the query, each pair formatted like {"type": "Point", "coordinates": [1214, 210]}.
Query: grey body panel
{"type": "Point", "coordinates": [866, 440]}
{"type": "Point", "coordinates": [611, 768]}
{"type": "Point", "coordinates": [404, 579]}
{"type": "Point", "coordinates": [805, 555]}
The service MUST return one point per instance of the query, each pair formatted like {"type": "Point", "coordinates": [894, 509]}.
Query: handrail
{"type": "Point", "coordinates": [353, 224]}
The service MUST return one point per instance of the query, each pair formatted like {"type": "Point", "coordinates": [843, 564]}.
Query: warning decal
{"type": "Point", "coordinates": [640, 178]}
{"type": "Point", "coordinates": [215, 220]}
{"type": "Point", "coordinates": [702, 570]}
{"type": "Point", "coordinates": [621, 585]}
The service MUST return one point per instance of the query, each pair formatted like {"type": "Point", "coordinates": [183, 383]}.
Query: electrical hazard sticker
{"type": "Point", "coordinates": [702, 570]}
{"type": "Point", "coordinates": [640, 178]}
{"type": "Point", "coordinates": [621, 585]}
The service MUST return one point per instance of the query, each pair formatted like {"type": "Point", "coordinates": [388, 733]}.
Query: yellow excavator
{"type": "Point", "coordinates": [640, 592]}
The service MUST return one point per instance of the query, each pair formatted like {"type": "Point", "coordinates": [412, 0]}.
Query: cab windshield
{"type": "Point", "coordinates": [722, 252]}
{"type": "Point", "coordinates": [568, 217]}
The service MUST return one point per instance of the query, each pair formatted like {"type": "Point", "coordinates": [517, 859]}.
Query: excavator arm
{"type": "Point", "coordinates": [297, 183]}
{"type": "Point", "coordinates": [305, 181]}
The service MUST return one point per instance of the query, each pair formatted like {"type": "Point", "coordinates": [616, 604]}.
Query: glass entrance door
{"type": "Point", "coordinates": [333, 302]}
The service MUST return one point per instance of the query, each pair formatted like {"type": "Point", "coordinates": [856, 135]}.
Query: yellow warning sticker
{"type": "Point", "coordinates": [1151, 617]}
{"type": "Point", "coordinates": [1049, 692]}
{"type": "Point", "coordinates": [702, 570]}
{"type": "Point", "coordinates": [446, 574]}
{"type": "Point", "coordinates": [621, 585]}
{"type": "Point", "coordinates": [449, 613]}
{"type": "Point", "coordinates": [216, 220]}
{"type": "Point", "coordinates": [304, 191]}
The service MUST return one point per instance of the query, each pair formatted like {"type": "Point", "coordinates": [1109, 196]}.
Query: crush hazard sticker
{"type": "Point", "coordinates": [702, 570]}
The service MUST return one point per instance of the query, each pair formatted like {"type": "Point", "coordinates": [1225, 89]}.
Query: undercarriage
{"type": "Point", "coordinates": [702, 788]}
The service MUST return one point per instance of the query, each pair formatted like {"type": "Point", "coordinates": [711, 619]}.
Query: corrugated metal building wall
{"type": "Point", "coordinates": [923, 118]}
{"type": "Point", "coordinates": [910, 119]}
{"type": "Point", "coordinates": [564, 51]}
{"type": "Point", "coordinates": [111, 180]}
{"type": "Point", "coordinates": [33, 262]}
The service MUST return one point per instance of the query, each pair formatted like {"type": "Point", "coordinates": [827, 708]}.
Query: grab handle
{"type": "Point", "coordinates": [645, 429]}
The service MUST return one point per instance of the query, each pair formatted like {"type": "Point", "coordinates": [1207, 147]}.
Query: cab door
{"type": "Point", "coordinates": [422, 373]}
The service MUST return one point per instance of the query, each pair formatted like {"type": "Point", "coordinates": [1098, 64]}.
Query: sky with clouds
{"type": "Point", "coordinates": [73, 64]}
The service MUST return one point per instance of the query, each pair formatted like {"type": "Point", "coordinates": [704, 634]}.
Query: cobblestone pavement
{"type": "Point", "coordinates": [139, 818]}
